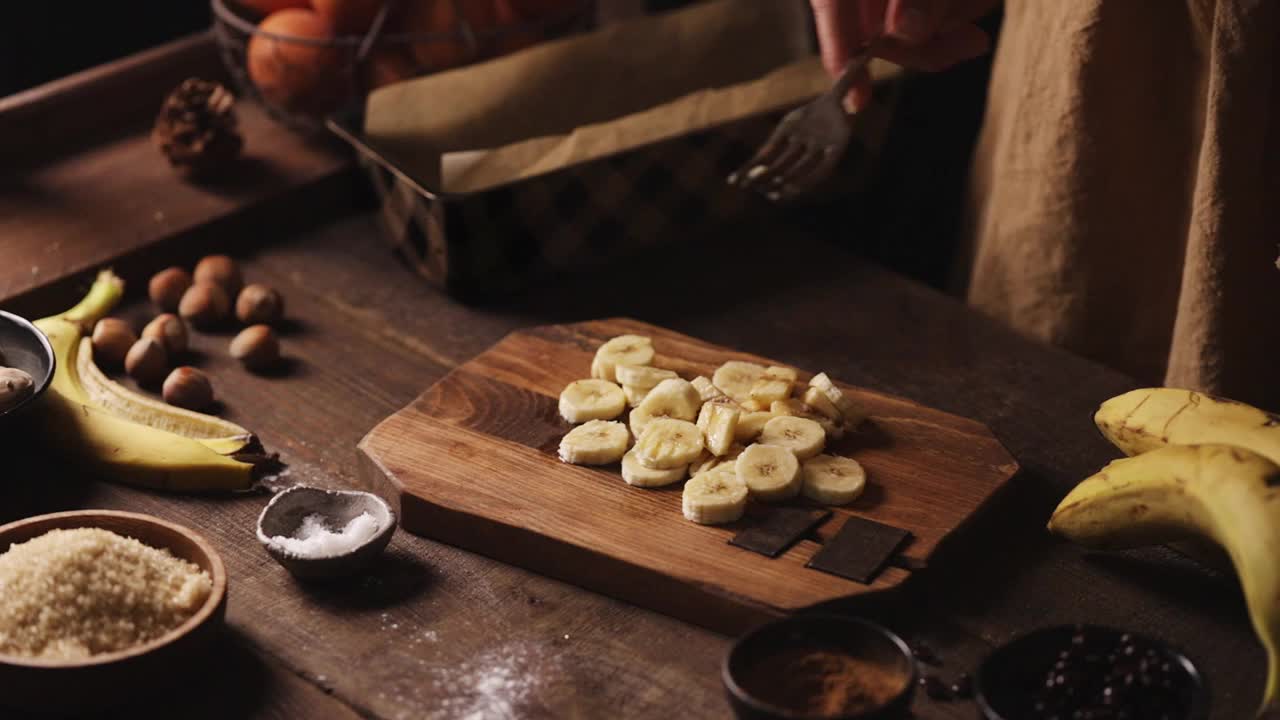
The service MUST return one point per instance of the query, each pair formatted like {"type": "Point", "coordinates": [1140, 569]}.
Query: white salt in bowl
{"type": "Point", "coordinates": [287, 516]}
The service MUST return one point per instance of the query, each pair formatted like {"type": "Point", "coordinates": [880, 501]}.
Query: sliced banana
{"type": "Point", "coordinates": [754, 405]}
{"type": "Point", "coordinates": [635, 473]}
{"type": "Point", "coordinates": [706, 461]}
{"type": "Point", "coordinates": [719, 424]}
{"type": "Point", "coordinates": [622, 350]}
{"type": "Point", "coordinates": [714, 497]}
{"type": "Point", "coordinates": [789, 406]}
{"type": "Point", "coordinates": [770, 472]}
{"type": "Point", "coordinates": [802, 436]}
{"type": "Point", "coordinates": [645, 377]}
{"type": "Point", "coordinates": [750, 425]}
{"type": "Point", "coordinates": [634, 395]}
{"type": "Point", "coordinates": [706, 389]}
{"type": "Point", "coordinates": [848, 407]}
{"type": "Point", "coordinates": [672, 398]}
{"type": "Point", "coordinates": [668, 443]}
{"type": "Point", "coordinates": [592, 399]}
{"type": "Point", "coordinates": [596, 442]}
{"type": "Point", "coordinates": [736, 378]}
{"type": "Point", "coordinates": [832, 480]}
{"type": "Point", "coordinates": [821, 404]}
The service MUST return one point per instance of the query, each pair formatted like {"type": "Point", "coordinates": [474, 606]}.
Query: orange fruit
{"type": "Point", "coordinates": [350, 17]}
{"type": "Point", "coordinates": [266, 7]}
{"type": "Point", "coordinates": [439, 16]}
{"type": "Point", "coordinates": [293, 75]}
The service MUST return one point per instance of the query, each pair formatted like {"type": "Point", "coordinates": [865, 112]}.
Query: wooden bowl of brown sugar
{"type": "Point", "coordinates": [820, 667]}
{"type": "Point", "coordinates": [43, 667]}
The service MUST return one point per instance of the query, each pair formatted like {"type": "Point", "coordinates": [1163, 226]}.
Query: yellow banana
{"type": "Point", "coordinates": [1229, 495]}
{"type": "Point", "coordinates": [1151, 418]}
{"type": "Point", "coordinates": [127, 439]}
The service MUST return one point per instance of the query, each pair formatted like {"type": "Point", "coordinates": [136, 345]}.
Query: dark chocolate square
{"type": "Point", "coordinates": [859, 550]}
{"type": "Point", "coordinates": [778, 530]}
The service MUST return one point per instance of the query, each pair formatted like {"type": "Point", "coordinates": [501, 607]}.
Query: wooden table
{"type": "Point", "coordinates": [438, 632]}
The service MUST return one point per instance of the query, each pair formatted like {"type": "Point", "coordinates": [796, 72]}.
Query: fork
{"type": "Point", "coordinates": [807, 144]}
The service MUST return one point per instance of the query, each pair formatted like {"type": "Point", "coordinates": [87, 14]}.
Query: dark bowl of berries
{"type": "Point", "coordinates": [1089, 672]}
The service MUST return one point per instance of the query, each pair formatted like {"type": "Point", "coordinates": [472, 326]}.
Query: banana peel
{"type": "Point", "coordinates": [120, 440]}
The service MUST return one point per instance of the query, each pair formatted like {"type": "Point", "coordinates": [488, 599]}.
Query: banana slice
{"type": "Point", "coordinates": [593, 399]}
{"type": "Point", "coordinates": [821, 404]}
{"type": "Point", "coordinates": [706, 389]}
{"type": "Point", "coordinates": [635, 395]}
{"type": "Point", "coordinates": [770, 472]}
{"type": "Point", "coordinates": [754, 405]}
{"type": "Point", "coordinates": [714, 497]}
{"type": "Point", "coordinates": [832, 480]}
{"type": "Point", "coordinates": [751, 424]}
{"type": "Point", "coordinates": [635, 473]}
{"type": "Point", "coordinates": [719, 424]}
{"type": "Point", "coordinates": [802, 436]}
{"type": "Point", "coordinates": [789, 406]}
{"type": "Point", "coordinates": [645, 377]}
{"type": "Point", "coordinates": [668, 443]}
{"type": "Point", "coordinates": [848, 407]}
{"type": "Point", "coordinates": [736, 378]}
{"type": "Point", "coordinates": [706, 461]}
{"type": "Point", "coordinates": [622, 350]}
{"type": "Point", "coordinates": [672, 398]}
{"type": "Point", "coordinates": [596, 442]}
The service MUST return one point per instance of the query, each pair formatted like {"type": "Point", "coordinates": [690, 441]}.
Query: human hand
{"type": "Point", "coordinates": [922, 34]}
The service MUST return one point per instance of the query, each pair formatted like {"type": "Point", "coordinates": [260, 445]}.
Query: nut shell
{"type": "Point", "coordinates": [170, 331]}
{"type": "Point", "coordinates": [146, 361]}
{"type": "Point", "coordinates": [112, 338]}
{"type": "Point", "coordinates": [220, 270]}
{"type": "Point", "coordinates": [256, 347]}
{"type": "Point", "coordinates": [204, 305]}
{"type": "Point", "coordinates": [259, 304]}
{"type": "Point", "coordinates": [167, 286]}
{"type": "Point", "coordinates": [188, 388]}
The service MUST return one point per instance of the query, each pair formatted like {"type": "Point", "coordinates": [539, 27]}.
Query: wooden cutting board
{"type": "Point", "coordinates": [473, 462]}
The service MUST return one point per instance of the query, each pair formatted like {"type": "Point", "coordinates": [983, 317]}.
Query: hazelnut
{"type": "Point", "coordinates": [167, 286]}
{"type": "Point", "coordinates": [146, 361]}
{"type": "Point", "coordinates": [259, 304]}
{"type": "Point", "coordinates": [220, 270]}
{"type": "Point", "coordinates": [169, 330]}
{"type": "Point", "coordinates": [204, 304]}
{"type": "Point", "coordinates": [188, 388]}
{"type": "Point", "coordinates": [256, 347]}
{"type": "Point", "coordinates": [112, 338]}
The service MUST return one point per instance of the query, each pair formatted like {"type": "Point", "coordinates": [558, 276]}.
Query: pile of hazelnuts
{"type": "Point", "coordinates": [203, 300]}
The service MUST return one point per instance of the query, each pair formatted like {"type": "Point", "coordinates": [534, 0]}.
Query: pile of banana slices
{"type": "Point", "coordinates": [749, 431]}
{"type": "Point", "coordinates": [1201, 468]}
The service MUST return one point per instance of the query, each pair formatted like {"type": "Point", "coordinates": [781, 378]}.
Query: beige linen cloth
{"type": "Point", "coordinates": [1124, 190]}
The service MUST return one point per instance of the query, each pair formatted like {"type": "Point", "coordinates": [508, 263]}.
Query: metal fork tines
{"type": "Point", "coordinates": [807, 144]}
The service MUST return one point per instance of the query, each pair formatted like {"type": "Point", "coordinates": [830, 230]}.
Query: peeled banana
{"type": "Point", "coordinates": [668, 443]}
{"type": "Point", "coordinates": [1151, 418]}
{"type": "Point", "coordinates": [770, 472]}
{"type": "Point", "coordinates": [714, 497]}
{"type": "Point", "coordinates": [832, 480]}
{"type": "Point", "coordinates": [718, 423]}
{"type": "Point", "coordinates": [802, 436]}
{"type": "Point", "coordinates": [125, 436]}
{"type": "Point", "coordinates": [1227, 494]}
{"type": "Point", "coordinates": [736, 378]}
{"type": "Point", "coordinates": [592, 399]}
{"type": "Point", "coordinates": [622, 350]}
{"type": "Point", "coordinates": [596, 442]}
{"type": "Point", "coordinates": [635, 473]}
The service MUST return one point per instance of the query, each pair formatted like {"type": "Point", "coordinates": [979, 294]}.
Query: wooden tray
{"type": "Point", "coordinates": [473, 462]}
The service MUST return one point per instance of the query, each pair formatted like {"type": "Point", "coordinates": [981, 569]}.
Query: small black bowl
{"type": "Point", "coordinates": [860, 638]}
{"type": "Point", "coordinates": [1002, 681]}
{"type": "Point", "coordinates": [23, 346]}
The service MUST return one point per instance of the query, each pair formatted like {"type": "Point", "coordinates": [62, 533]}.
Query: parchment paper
{"type": "Point", "coordinates": [593, 95]}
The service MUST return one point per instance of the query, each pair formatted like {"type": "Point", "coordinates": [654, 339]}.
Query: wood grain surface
{"type": "Point", "coordinates": [473, 462]}
{"type": "Point", "coordinates": [438, 632]}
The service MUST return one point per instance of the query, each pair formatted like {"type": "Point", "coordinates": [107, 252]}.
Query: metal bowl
{"type": "Point", "coordinates": [860, 638]}
{"type": "Point", "coordinates": [23, 346]}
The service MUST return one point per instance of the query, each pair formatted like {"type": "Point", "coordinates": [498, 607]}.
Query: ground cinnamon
{"type": "Point", "coordinates": [824, 682]}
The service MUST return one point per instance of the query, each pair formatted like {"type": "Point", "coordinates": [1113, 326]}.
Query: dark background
{"type": "Point", "coordinates": [908, 219]}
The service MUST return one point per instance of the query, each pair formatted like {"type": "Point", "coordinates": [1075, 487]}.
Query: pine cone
{"type": "Point", "coordinates": [196, 128]}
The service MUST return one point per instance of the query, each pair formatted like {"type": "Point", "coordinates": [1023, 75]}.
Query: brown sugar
{"type": "Point", "coordinates": [825, 682]}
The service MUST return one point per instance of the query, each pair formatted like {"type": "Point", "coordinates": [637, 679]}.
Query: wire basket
{"type": "Point", "coordinates": [336, 74]}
